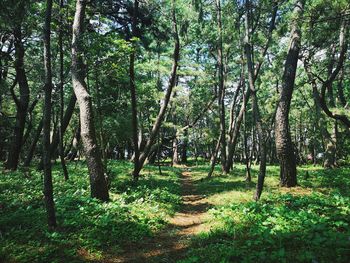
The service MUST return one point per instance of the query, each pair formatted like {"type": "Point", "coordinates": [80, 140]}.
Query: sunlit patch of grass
{"type": "Point", "coordinates": [310, 222]}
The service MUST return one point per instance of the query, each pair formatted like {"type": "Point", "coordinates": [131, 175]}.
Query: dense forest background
{"type": "Point", "coordinates": [110, 110]}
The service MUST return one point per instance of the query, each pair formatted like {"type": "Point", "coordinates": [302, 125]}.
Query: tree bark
{"type": "Point", "coordinates": [162, 111]}
{"type": "Point", "coordinates": [214, 156]}
{"type": "Point", "coordinates": [32, 147]}
{"type": "Point", "coordinates": [61, 108]}
{"type": "Point", "coordinates": [98, 184]}
{"type": "Point", "coordinates": [48, 187]}
{"type": "Point", "coordinates": [221, 91]}
{"type": "Point", "coordinates": [184, 147]}
{"type": "Point", "coordinates": [21, 102]}
{"type": "Point", "coordinates": [235, 130]}
{"type": "Point", "coordinates": [134, 96]}
{"type": "Point", "coordinates": [284, 145]}
{"type": "Point", "coordinates": [255, 105]}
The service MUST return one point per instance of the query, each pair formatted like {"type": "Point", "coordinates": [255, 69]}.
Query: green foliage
{"type": "Point", "coordinates": [86, 226]}
{"type": "Point", "coordinates": [301, 226]}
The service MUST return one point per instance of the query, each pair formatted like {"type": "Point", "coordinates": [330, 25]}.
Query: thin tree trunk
{"type": "Point", "coordinates": [98, 182]}
{"type": "Point", "coordinates": [48, 187]}
{"type": "Point", "coordinates": [175, 159]}
{"type": "Point", "coordinates": [134, 96]}
{"type": "Point", "coordinates": [248, 177]}
{"type": "Point", "coordinates": [21, 102]}
{"type": "Point", "coordinates": [214, 156]}
{"type": "Point", "coordinates": [162, 111]}
{"type": "Point", "coordinates": [184, 147]}
{"type": "Point", "coordinates": [32, 147]}
{"type": "Point", "coordinates": [221, 93]}
{"type": "Point", "coordinates": [255, 105]}
{"type": "Point", "coordinates": [64, 124]}
{"type": "Point", "coordinates": [235, 132]}
{"type": "Point", "coordinates": [284, 145]}
{"type": "Point", "coordinates": [61, 132]}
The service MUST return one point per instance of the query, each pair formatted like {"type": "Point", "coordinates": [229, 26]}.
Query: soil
{"type": "Point", "coordinates": [171, 244]}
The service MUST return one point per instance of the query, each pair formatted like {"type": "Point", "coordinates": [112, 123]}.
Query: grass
{"type": "Point", "coordinates": [308, 223]}
{"type": "Point", "coordinates": [88, 229]}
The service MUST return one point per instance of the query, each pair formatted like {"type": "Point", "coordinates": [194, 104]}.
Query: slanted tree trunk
{"type": "Point", "coordinates": [48, 187]}
{"type": "Point", "coordinates": [255, 105]}
{"type": "Point", "coordinates": [235, 130]}
{"type": "Point", "coordinates": [214, 156]}
{"type": "Point", "coordinates": [32, 147]}
{"type": "Point", "coordinates": [73, 148]}
{"type": "Point", "coordinates": [98, 184]}
{"type": "Point", "coordinates": [172, 81]}
{"type": "Point", "coordinates": [21, 102]}
{"type": "Point", "coordinates": [284, 145]}
{"type": "Point", "coordinates": [64, 124]}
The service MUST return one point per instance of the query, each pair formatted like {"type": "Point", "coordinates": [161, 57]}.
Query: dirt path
{"type": "Point", "coordinates": [171, 244]}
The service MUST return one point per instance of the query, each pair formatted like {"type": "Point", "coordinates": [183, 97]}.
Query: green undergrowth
{"type": "Point", "coordinates": [310, 223]}
{"type": "Point", "coordinates": [88, 229]}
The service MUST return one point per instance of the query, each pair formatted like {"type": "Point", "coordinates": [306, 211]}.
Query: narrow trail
{"type": "Point", "coordinates": [171, 244]}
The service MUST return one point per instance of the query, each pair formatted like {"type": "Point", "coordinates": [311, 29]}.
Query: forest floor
{"type": "Point", "coordinates": [171, 244]}
{"type": "Point", "coordinates": [178, 215]}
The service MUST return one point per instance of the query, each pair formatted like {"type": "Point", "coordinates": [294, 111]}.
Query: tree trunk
{"type": "Point", "coordinates": [61, 132]}
{"type": "Point", "coordinates": [184, 147]}
{"type": "Point", "coordinates": [162, 111]}
{"type": "Point", "coordinates": [175, 159]}
{"type": "Point", "coordinates": [255, 105]}
{"type": "Point", "coordinates": [48, 187]}
{"type": "Point", "coordinates": [214, 156]}
{"type": "Point", "coordinates": [21, 103]}
{"type": "Point", "coordinates": [65, 122]}
{"type": "Point", "coordinates": [32, 147]}
{"type": "Point", "coordinates": [98, 182]}
{"type": "Point", "coordinates": [134, 96]}
{"type": "Point", "coordinates": [284, 145]}
{"type": "Point", "coordinates": [221, 93]}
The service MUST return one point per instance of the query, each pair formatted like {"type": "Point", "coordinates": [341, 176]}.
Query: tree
{"type": "Point", "coordinates": [92, 153]}
{"type": "Point", "coordinates": [171, 84]}
{"type": "Point", "coordinates": [23, 101]}
{"type": "Point", "coordinates": [48, 188]}
{"type": "Point", "coordinates": [255, 105]}
{"type": "Point", "coordinates": [284, 145]}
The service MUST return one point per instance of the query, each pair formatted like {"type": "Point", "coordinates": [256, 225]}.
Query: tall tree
{"type": "Point", "coordinates": [284, 145]}
{"type": "Point", "coordinates": [23, 100]}
{"type": "Point", "coordinates": [61, 108]}
{"type": "Point", "coordinates": [255, 105]}
{"type": "Point", "coordinates": [171, 84]}
{"type": "Point", "coordinates": [221, 90]}
{"type": "Point", "coordinates": [48, 187]}
{"type": "Point", "coordinates": [133, 94]}
{"type": "Point", "coordinates": [98, 182]}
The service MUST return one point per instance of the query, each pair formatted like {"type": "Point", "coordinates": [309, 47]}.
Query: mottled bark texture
{"type": "Point", "coordinates": [284, 145]}
{"type": "Point", "coordinates": [98, 182]}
